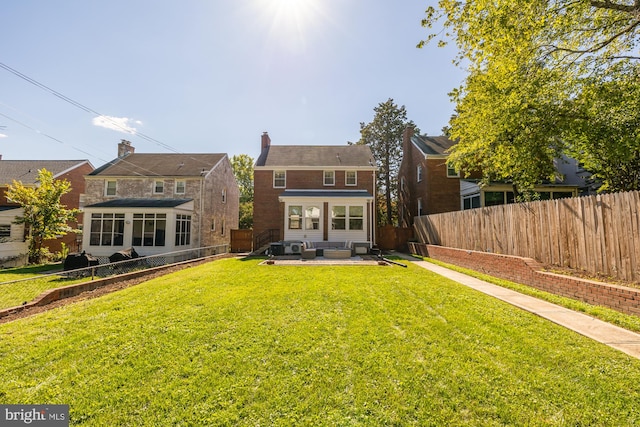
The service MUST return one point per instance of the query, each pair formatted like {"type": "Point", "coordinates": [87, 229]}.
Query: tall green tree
{"type": "Point", "coordinates": [242, 165]}
{"type": "Point", "coordinates": [537, 71]}
{"type": "Point", "coordinates": [44, 216]}
{"type": "Point", "coordinates": [384, 136]}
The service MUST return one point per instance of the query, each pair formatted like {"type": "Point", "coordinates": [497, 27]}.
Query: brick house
{"type": "Point", "coordinates": [428, 185]}
{"type": "Point", "coordinates": [12, 236]}
{"type": "Point", "coordinates": [159, 203]}
{"type": "Point", "coordinates": [314, 193]}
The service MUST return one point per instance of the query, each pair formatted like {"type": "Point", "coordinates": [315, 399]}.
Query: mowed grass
{"type": "Point", "coordinates": [30, 282]}
{"type": "Point", "coordinates": [236, 343]}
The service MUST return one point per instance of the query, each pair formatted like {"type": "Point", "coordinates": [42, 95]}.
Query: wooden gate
{"type": "Point", "coordinates": [393, 238]}
{"type": "Point", "coordinates": [242, 240]}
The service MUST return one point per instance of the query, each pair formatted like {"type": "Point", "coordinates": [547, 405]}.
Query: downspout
{"type": "Point", "coordinates": [200, 231]}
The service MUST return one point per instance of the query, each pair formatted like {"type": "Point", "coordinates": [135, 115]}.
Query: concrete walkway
{"type": "Point", "coordinates": [606, 333]}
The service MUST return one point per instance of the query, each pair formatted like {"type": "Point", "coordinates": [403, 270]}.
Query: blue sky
{"type": "Point", "coordinates": [201, 76]}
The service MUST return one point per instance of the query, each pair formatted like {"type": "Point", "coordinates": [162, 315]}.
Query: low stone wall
{"type": "Point", "coordinates": [529, 272]}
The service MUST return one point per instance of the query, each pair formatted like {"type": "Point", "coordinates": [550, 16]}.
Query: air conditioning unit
{"type": "Point", "coordinates": [292, 247]}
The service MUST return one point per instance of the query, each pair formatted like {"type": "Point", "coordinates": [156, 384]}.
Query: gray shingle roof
{"type": "Point", "coordinates": [140, 203]}
{"type": "Point", "coordinates": [434, 145]}
{"type": "Point", "coordinates": [160, 164]}
{"type": "Point", "coordinates": [334, 156]}
{"type": "Point", "coordinates": [26, 171]}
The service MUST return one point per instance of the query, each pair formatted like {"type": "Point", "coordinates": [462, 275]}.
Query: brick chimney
{"type": "Point", "coordinates": [125, 148]}
{"type": "Point", "coordinates": [406, 139]}
{"type": "Point", "coordinates": [266, 141]}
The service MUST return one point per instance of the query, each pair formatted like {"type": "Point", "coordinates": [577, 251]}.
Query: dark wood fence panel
{"type": "Point", "coordinates": [393, 238]}
{"type": "Point", "coordinates": [597, 234]}
{"type": "Point", "coordinates": [241, 240]}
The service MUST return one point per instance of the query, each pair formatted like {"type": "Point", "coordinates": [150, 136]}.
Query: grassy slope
{"type": "Point", "coordinates": [234, 343]}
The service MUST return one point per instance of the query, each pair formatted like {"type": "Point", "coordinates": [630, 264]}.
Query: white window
{"type": "Point", "coordinates": [347, 216]}
{"type": "Point", "coordinates": [213, 224]}
{"type": "Point", "coordinates": [224, 195]}
{"type": "Point", "coordinates": [329, 177]}
{"type": "Point", "coordinates": [183, 230]}
{"type": "Point", "coordinates": [110, 188]}
{"type": "Point", "coordinates": [295, 217]}
{"type": "Point", "coordinates": [419, 207]}
{"type": "Point", "coordinates": [107, 229]}
{"type": "Point", "coordinates": [279, 179]}
{"type": "Point", "coordinates": [180, 187]}
{"type": "Point", "coordinates": [419, 173]}
{"type": "Point", "coordinates": [351, 178]}
{"type": "Point", "coordinates": [149, 229]}
{"type": "Point", "coordinates": [312, 218]}
{"type": "Point", "coordinates": [451, 172]}
{"type": "Point", "coordinates": [158, 187]}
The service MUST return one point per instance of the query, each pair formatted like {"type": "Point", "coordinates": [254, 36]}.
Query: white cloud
{"type": "Point", "coordinates": [2, 135]}
{"type": "Point", "coordinates": [120, 124]}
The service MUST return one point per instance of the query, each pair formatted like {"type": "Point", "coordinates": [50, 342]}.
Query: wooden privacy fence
{"type": "Point", "coordinates": [242, 240]}
{"type": "Point", "coordinates": [393, 238]}
{"type": "Point", "coordinates": [597, 234]}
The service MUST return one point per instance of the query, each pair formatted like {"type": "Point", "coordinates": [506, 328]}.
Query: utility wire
{"type": "Point", "coordinates": [86, 109]}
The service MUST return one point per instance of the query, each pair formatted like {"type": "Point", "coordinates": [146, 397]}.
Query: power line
{"type": "Point", "coordinates": [85, 109]}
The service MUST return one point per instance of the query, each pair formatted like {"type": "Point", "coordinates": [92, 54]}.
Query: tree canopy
{"type": "Point", "coordinates": [545, 78]}
{"type": "Point", "coordinates": [384, 136]}
{"type": "Point", "coordinates": [44, 216]}
{"type": "Point", "coordinates": [242, 165]}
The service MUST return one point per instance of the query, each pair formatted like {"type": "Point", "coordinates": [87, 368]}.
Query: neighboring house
{"type": "Point", "coordinates": [428, 185]}
{"type": "Point", "coordinates": [159, 203]}
{"type": "Point", "coordinates": [314, 193]}
{"type": "Point", "coordinates": [12, 236]}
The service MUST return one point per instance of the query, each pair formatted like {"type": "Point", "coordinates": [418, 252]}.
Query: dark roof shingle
{"type": "Point", "coordinates": [160, 164]}
{"type": "Point", "coordinates": [434, 145]}
{"type": "Point", "coordinates": [26, 171]}
{"type": "Point", "coordinates": [316, 155]}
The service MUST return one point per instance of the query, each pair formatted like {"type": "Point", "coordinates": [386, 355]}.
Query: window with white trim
{"type": "Point", "coordinates": [158, 187]}
{"type": "Point", "coordinates": [420, 207]}
{"type": "Point", "coordinates": [110, 188]}
{"type": "Point", "coordinates": [181, 187]}
{"type": "Point", "coordinates": [347, 217]}
{"type": "Point", "coordinates": [351, 178]}
{"type": "Point", "coordinates": [224, 195]}
{"type": "Point", "coordinates": [295, 217]}
{"type": "Point", "coordinates": [312, 218]}
{"type": "Point", "coordinates": [279, 179]}
{"type": "Point", "coordinates": [183, 230]}
{"type": "Point", "coordinates": [149, 229]}
{"type": "Point", "coordinates": [107, 229]}
{"type": "Point", "coordinates": [329, 177]}
{"type": "Point", "coordinates": [5, 231]}
{"type": "Point", "coordinates": [452, 172]}
{"type": "Point", "coordinates": [419, 173]}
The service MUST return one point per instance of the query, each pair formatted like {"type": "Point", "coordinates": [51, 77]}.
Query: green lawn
{"type": "Point", "coordinates": [41, 278]}
{"type": "Point", "coordinates": [235, 343]}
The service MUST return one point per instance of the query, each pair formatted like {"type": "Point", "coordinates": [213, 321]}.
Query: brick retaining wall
{"type": "Point", "coordinates": [51, 295]}
{"type": "Point", "coordinates": [529, 272]}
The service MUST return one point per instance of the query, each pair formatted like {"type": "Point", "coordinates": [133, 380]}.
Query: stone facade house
{"type": "Point", "coordinates": [13, 244]}
{"type": "Point", "coordinates": [314, 193]}
{"type": "Point", "coordinates": [159, 203]}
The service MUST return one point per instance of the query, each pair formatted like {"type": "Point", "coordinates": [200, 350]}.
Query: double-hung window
{"type": "Point", "coordinates": [110, 188]}
{"type": "Point", "coordinates": [350, 178]}
{"type": "Point", "coordinates": [295, 217]}
{"type": "Point", "coordinates": [329, 177]}
{"type": "Point", "coordinates": [279, 179]}
{"type": "Point", "coordinates": [181, 187]}
{"type": "Point", "coordinates": [419, 173]}
{"type": "Point", "coordinates": [158, 187]}
{"type": "Point", "coordinates": [347, 217]}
